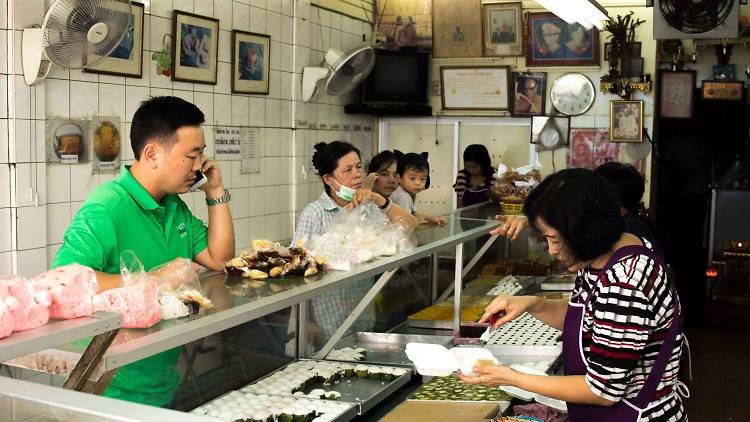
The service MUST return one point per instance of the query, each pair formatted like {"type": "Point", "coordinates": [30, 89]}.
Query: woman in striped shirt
{"type": "Point", "coordinates": [621, 329]}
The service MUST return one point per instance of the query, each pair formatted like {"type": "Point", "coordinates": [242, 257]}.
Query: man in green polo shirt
{"type": "Point", "coordinates": [141, 211]}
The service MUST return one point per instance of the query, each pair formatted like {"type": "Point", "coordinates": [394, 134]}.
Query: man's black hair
{"type": "Point", "coordinates": [582, 207]}
{"type": "Point", "coordinates": [628, 184]}
{"type": "Point", "coordinates": [412, 161]}
{"type": "Point", "coordinates": [158, 118]}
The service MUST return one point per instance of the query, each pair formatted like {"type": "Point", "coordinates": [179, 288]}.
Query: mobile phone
{"type": "Point", "coordinates": [200, 180]}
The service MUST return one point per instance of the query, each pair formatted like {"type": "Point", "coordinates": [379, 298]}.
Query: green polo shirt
{"type": "Point", "coordinates": [118, 216]}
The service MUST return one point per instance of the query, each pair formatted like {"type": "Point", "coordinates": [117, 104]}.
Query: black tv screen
{"type": "Point", "coordinates": [398, 77]}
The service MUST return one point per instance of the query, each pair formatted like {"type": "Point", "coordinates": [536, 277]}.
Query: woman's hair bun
{"type": "Point", "coordinates": [317, 158]}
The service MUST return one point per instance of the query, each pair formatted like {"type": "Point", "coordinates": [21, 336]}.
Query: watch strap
{"type": "Point", "coordinates": [223, 199]}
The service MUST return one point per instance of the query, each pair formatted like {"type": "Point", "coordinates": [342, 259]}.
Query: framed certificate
{"type": "Point", "coordinates": [475, 87]}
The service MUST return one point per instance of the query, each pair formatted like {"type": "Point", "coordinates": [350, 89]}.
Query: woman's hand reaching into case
{"type": "Point", "coordinates": [508, 308]}
{"type": "Point", "coordinates": [512, 226]}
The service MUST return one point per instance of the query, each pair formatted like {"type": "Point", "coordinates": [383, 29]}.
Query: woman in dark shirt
{"type": "Point", "coordinates": [474, 182]}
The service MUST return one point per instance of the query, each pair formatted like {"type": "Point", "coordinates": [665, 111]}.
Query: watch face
{"type": "Point", "coordinates": [572, 94]}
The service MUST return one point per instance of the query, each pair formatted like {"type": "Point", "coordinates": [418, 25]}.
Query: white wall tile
{"type": "Point", "coordinates": [4, 185]}
{"type": "Point", "coordinates": [5, 223]}
{"type": "Point", "coordinates": [32, 262]}
{"type": "Point", "coordinates": [58, 98]}
{"type": "Point", "coordinates": [186, 5]}
{"type": "Point", "coordinates": [286, 30]}
{"type": "Point", "coordinates": [22, 98]}
{"type": "Point", "coordinates": [112, 100]}
{"type": "Point", "coordinates": [23, 140]}
{"type": "Point", "coordinates": [242, 233]}
{"type": "Point", "coordinates": [258, 3]}
{"type": "Point", "coordinates": [225, 46]}
{"type": "Point", "coordinates": [134, 96]}
{"type": "Point", "coordinates": [240, 110]}
{"type": "Point", "coordinates": [223, 12]}
{"type": "Point", "coordinates": [58, 219]}
{"type": "Point", "coordinates": [272, 113]}
{"type": "Point", "coordinates": [3, 96]}
{"type": "Point", "coordinates": [51, 252]}
{"type": "Point", "coordinates": [84, 99]}
{"type": "Point", "coordinates": [257, 20]}
{"type": "Point", "coordinates": [28, 13]}
{"type": "Point", "coordinates": [257, 111]}
{"type": "Point", "coordinates": [257, 201]}
{"type": "Point", "coordinates": [158, 92]}
{"type": "Point", "coordinates": [208, 133]}
{"type": "Point", "coordinates": [222, 109]}
{"type": "Point", "coordinates": [31, 232]}
{"type": "Point", "coordinates": [258, 228]}
{"type": "Point", "coordinates": [224, 79]}
{"type": "Point", "coordinates": [82, 181]}
{"type": "Point", "coordinates": [240, 16]}
{"type": "Point", "coordinates": [5, 267]}
{"type": "Point", "coordinates": [240, 204]}
{"type": "Point", "coordinates": [185, 95]}
{"type": "Point", "coordinates": [204, 8]}
{"type": "Point", "coordinates": [162, 8]}
{"type": "Point", "coordinates": [3, 140]}
{"type": "Point", "coordinates": [205, 102]}
{"type": "Point", "coordinates": [273, 24]}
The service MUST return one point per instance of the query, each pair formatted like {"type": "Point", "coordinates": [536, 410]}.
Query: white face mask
{"type": "Point", "coordinates": [345, 192]}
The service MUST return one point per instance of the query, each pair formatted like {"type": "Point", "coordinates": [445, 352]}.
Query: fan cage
{"type": "Point", "coordinates": [66, 26]}
{"type": "Point", "coordinates": [695, 16]}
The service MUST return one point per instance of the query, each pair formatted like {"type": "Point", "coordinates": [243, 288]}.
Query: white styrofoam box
{"type": "Point", "coordinates": [31, 233]}
{"type": "Point", "coordinates": [242, 232]}
{"type": "Point", "coordinates": [58, 219]}
{"type": "Point", "coordinates": [112, 101]}
{"type": "Point", "coordinates": [205, 102]}
{"type": "Point", "coordinates": [5, 265]}
{"type": "Point", "coordinates": [431, 359]}
{"type": "Point", "coordinates": [240, 110]}
{"type": "Point", "coordinates": [222, 109]}
{"type": "Point", "coordinates": [185, 5]}
{"type": "Point", "coordinates": [223, 12]}
{"type": "Point", "coordinates": [257, 20]}
{"type": "Point", "coordinates": [204, 8]}
{"type": "Point", "coordinates": [5, 229]}
{"type": "Point", "coordinates": [468, 356]}
{"type": "Point", "coordinates": [82, 181]}
{"type": "Point", "coordinates": [162, 8]}
{"type": "Point", "coordinates": [240, 16]}
{"type": "Point", "coordinates": [134, 96]}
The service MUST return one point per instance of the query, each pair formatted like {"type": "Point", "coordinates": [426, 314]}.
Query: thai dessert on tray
{"type": "Point", "coordinates": [272, 260]}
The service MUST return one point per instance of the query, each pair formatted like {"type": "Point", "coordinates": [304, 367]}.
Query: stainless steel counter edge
{"type": "Point", "coordinates": [67, 405]}
{"type": "Point", "coordinates": [151, 344]}
{"type": "Point", "coordinates": [56, 333]}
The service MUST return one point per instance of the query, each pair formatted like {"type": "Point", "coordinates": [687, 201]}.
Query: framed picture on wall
{"type": "Point", "coordinates": [405, 23]}
{"type": "Point", "coordinates": [675, 97]}
{"type": "Point", "coordinates": [502, 29]}
{"type": "Point", "coordinates": [626, 121]}
{"type": "Point", "coordinates": [529, 92]}
{"type": "Point", "coordinates": [475, 87]}
{"type": "Point", "coordinates": [127, 58]}
{"type": "Point", "coordinates": [723, 90]}
{"type": "Point", "coordinates": [550, 41]}
{"type": "Point", "coordinates": [195, 45]}
{"type": "Point", "coordinates": [456, 28]}
{"type": "Point", "coordinates": [550, 132]}
{"type": "Point", "coordinates": [251, 58]}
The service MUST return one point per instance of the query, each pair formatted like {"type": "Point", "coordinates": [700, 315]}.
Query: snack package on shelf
{"type": "Point", "coordinates": [28, 307]}
{"type": "Point", "coordinates": [269, 259]}
{"type": "Point", "coordinates": [513, 185]}
{"type": "Point", "coordinates": [180, 279]}
{"type": "Point", "coordinates": [70, 288]}
{"type": "Point", "coordinates": [359, 236]}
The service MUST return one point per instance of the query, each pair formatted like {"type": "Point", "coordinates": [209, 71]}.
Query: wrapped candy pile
{"type": "Point", "coordinates": [513, 185]}
{"type": "Point", "coordinates": [359, 236]}
{"type": "Point", "coordinates": [270, 259]}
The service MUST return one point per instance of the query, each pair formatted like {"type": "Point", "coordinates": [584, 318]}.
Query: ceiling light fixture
{"type": "Point", "coordinates": [587, 13]}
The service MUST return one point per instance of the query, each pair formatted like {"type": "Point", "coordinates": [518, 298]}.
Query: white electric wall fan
{"type": "Point", "coordinates": [344, 72]}
{"type": "Point", "coordinates": [74, 34]}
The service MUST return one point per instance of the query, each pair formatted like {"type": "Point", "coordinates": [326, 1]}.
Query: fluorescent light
{"type": "Point", "coordinates": [560, 9]}
{"type": "Point", "coordinates": [588, 13]}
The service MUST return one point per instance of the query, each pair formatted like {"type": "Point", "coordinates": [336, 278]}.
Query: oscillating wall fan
{"type": "Point", "coordinates": [74, 34]}
{"type": "Point", "coordinates": [678, 19]}
{"type": "Point", "coordinates": [345, 71]}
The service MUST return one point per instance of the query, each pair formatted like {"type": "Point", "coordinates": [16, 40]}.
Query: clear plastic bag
{"type": "Point", "coordinates": [28, 307]}
{"type": "Point", "coordinates": [359, 236]}
{"type": "Point", "coordinates": [180, 278]}
{"type": "Point", "coordinates": [70, 289]}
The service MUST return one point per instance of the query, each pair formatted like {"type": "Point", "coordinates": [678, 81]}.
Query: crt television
{"type": "Point", "coordinates": [399, 77]}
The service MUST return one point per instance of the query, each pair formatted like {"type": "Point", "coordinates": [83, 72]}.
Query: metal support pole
{"type": "Point", "coordinates": [352, 318]}
{"type": "Point", "coordinates": [434, 279]}
{"type": "Point", "coordinates": [458, 285]}
{"type": "Point", "coordinates": [302, 315]}
{"type": "Point", "coordinates": [470, 265]}
{"type": "Point", "coordinates": [90, 360]}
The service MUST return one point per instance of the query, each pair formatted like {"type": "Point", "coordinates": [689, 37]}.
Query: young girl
{"type": "Point", "coordinates": [474, 182]}
{"type": "Point", "coordinates": [413, 174]}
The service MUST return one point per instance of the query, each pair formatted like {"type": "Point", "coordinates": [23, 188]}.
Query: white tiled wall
{"type": "Point", "coordinates": [46, 197]}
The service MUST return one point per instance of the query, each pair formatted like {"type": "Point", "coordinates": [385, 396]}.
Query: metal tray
{"type": "Point", "coordinates": [364, 393]}
{"type": "Point", "coordinates": [346, 416]}
{"type": "Point", "coordinates": [431, 324]}
{"type": "Point", "coordinates": [389, 348]}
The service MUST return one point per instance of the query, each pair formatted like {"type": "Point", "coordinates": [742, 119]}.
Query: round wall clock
{"type": "Point", "coordinates": [572, 94]}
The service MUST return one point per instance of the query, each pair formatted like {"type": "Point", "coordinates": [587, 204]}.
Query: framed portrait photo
{"type": "Point", "coordinates": [405, 23]}
{"type": "Point", "coordinates": [456, 28]}
{"type": "Point", "coordinates": [475, 87]}
{"type": "Point", "coordinates": [251, 58]}
{"type": "Point", "coordinates": [502, 29]}
{"type": "Point", "coordinates": [529, 92]}
{"type": "Point", "coordinates": [676, 92]}
{"type": "Point", "coordinates": [626, 121]}
{"type": "Point", "coordinates": [723, 90]}
{"type": "Point", "coordinates": [195, 45]}
{"type": "Point", "coordinates": [550, 41]}
{"type": "Point", "coordinates": [127, 58]}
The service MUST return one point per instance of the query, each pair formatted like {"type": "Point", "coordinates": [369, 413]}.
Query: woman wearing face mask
{"type": "Point", "coordinates": [339, 166]}
{"type": "Point", "coordinates": [621, 329]}
{"type": "Point", "coordinates": [381, 173]}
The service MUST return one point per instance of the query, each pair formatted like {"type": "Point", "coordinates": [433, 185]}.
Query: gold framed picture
{"type": "Point", "coordinates": [195, 47]}
{"type": "Point", "coordinates": [127, 58]}
{"type": "Point", "coordinates": [456, 28]}
{"type": "Point", "coordinates": [626, 121]}
{"type": "Point", "coordinates": [723, 90]}
{"type": "Point", "coordinates": [251, 58]}
{"type": "Point", "coordinates": [502, 29]}
{"type": "Point", "coordinates": [475, 87]}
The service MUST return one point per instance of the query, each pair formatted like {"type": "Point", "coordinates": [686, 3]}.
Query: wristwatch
{"type": "Point", "coordinates": [223, 199]}
{"type": "Point", "coordinates": [386, 205]}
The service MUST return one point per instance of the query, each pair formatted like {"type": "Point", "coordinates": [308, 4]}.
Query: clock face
{"type": "Point", "coordinates": [549, 137]}
{"type": "Point", "coordinates": [572, 94]}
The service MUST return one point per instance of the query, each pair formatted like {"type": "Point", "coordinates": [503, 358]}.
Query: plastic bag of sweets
{"type": "Point", "coordinates": [28, 307]}
{"type": "Point", "coordinates": [71, 288]}
{"type": "Point", "coordinates": [6, 318]}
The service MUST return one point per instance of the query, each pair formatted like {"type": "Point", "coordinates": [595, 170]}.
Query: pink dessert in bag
{"type": "Point", "coordinates": [24, 303]}
{"type": "Point", "coordinates": [138, 304]}
{"type": "Point", "coordinates": [6, 318]}
{"type": "Point", "coordinates": [70, 288]}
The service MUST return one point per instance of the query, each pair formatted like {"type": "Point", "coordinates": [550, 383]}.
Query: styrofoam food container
{"type": "Point", "coordinates": [436, 360]}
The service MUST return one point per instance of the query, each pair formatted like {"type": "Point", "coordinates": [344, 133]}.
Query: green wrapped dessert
{"type": "Point", "coordinates": [332, 395]}
{"type": "Point", "coordinates": [374, 373]}
{"type": "Point", "coordinates": [452, 389]}
{"type": "Point", "coordinates": [360, 371]}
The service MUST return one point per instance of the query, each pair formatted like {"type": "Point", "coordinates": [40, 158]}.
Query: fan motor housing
{"type": "Point", "coordinates": [696, 13]}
